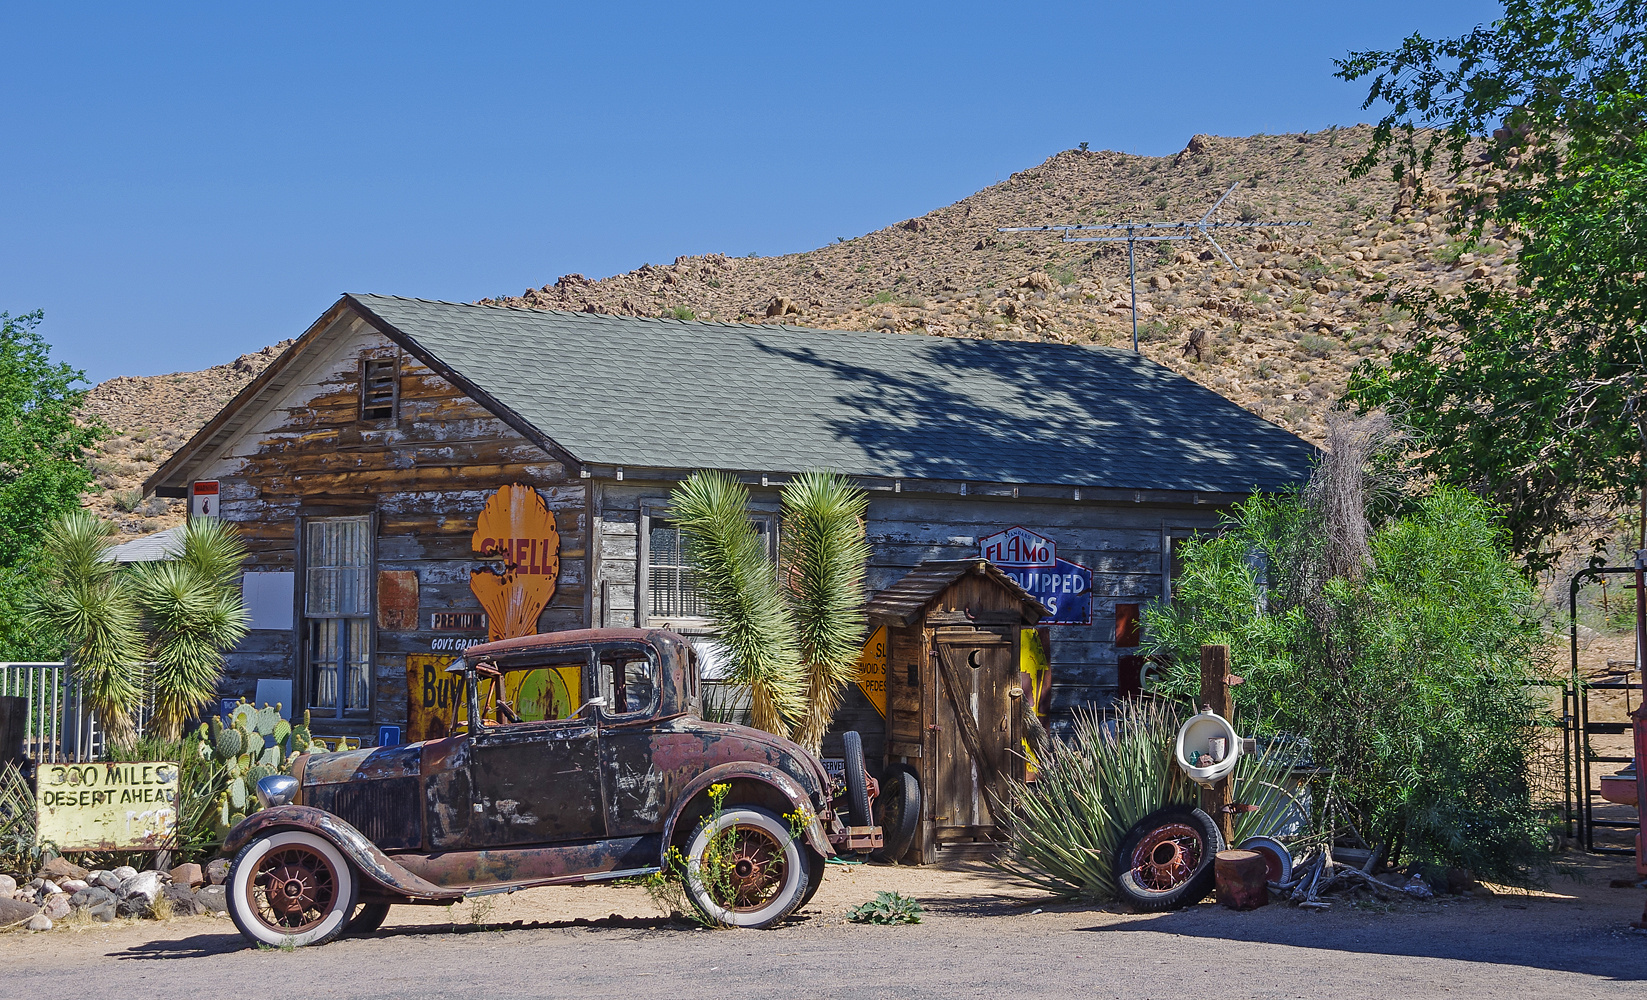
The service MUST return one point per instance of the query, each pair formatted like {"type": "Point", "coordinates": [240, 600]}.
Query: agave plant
{"type": "Point", "coordinates": [739, 590]}
{"type": "Point", "coordinates": [87, 603]}
{"type": "Point", "coordinates": [823, 556]}
{"type": "Point", "coordinates": [193, 612]}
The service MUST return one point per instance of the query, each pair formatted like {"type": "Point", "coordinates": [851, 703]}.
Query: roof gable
{"type": "Point", "coordinates": [678, 394]}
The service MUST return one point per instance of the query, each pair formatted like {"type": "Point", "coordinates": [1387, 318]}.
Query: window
{"type": "Point", "coordinates": [380, 389]}
{"type": "Point", "coordinates": [337, 559]}
{"type": "Point", "coordinates": [669, 581]}
{"type": "Point", "coordinates": [628, 680]}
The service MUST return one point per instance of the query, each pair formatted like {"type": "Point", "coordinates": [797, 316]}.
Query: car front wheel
{"type": "Point", "coordinates": [743, 869]}
{"type": "Point", "coordinates": [291, 888]}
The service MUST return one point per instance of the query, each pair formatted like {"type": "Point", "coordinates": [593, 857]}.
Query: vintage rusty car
{"type": "Point", "coordinates": [508, 803]}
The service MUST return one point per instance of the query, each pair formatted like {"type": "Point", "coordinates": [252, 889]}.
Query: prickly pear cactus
{"type": "Point", "coordinates": [237, 794]}
{"type": "Point", "coordinates": [254, 743]}
{"type": "Point", "coordinates": [229, 743]}
{"type": "Point", "coordinates": [258, 773]}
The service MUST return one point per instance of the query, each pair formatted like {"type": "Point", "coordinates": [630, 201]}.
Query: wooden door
{"type": "Point", "coordinates": [977, 732]}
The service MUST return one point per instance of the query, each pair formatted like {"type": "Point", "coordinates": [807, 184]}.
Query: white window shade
{"type": "Point", "coordinates": [268, 599]}
{"type": "Point", "coordinates": [337, 561]}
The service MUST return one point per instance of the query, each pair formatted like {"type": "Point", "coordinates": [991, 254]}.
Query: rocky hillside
{"type": "Point", "coordinates": [150, 417]}
{"type": "Point", "coordinates": [1279, 334]}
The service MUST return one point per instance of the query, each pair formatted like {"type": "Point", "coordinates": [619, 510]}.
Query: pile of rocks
{"type": "Point", "coordinates": [62, 888]}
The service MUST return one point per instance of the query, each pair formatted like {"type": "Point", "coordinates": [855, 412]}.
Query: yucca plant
{"type": "Point", "coordinates": [89, 605]}
{"type": "Point", "coordinates": [1088, 790]}
{"type": "Point", "coordinates": [823, 556]}
{"type": "Point", "coordinates": [193, 613]}
{"type": "Point", "coordinates": [739, 590]}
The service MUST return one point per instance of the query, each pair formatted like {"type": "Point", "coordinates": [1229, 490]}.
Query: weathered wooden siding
{"type": "Point", "coordinates": [424, 478]}
{"type": "Point", "coordinates": [1121, 543]}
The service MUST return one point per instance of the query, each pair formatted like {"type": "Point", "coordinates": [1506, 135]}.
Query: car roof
{"type": "Point", "coordinates": [549, 641]}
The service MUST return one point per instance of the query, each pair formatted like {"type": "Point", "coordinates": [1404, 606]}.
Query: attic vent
{"type": "Point", "coordinates": [380, 389]}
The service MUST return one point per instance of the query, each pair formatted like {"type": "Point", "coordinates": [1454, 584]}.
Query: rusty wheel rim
{"type": "Point", "coordinates": [1167, 857]}
{"type": "Point", "coordinates": [754, 865]}
{"type": "Point", "coordinates": [293, 889]}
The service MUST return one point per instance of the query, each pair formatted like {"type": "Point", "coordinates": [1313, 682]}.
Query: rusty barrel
{"type": "Point", "coordinates": [1241, 879]}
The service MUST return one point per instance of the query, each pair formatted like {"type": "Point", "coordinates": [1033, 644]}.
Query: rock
{"type": "Point", "coordinates": [124, 872]}
{"type": "Point", "coordinates": [72, 885]}
{"type": "Point", "coordinates": [107, 880]}
{"type": "Point", "coordinates": [217, 871]}
{"type": "Point", "coordinates": [60, 868]}
{"type": "Point", "coordinates": [8, 885]}
{"type": "Point", "coordinates": [1323, 286]}
{"type": "Point", "coordinates": [781, 306]}
{"type": "Point", "coordinates": [58, 906]}
{"type": "Point", "coordinates": [91, 896]}
{"type": "Point", "coordinates": [39, 922]}
{"type": "Point", "coordinates": [214, 898]}
{"type": "Point", "coordinates": [1038, 280]}
{"type": "Point", "coordinates": [188, 874]}
{"type": "Point", "coordinates": [145, 884]}
{"type": "Point", "coordinates": [15, 911]}
{"type": "Point", "coordinates": [183, 901]}
{"type": "Point", "coordinates": [49, 888]}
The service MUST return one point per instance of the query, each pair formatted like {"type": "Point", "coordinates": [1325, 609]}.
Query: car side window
{"type": "Point", "coordinates": [629, 680]}
{"type": "Point", "coordinates": [536, 690]}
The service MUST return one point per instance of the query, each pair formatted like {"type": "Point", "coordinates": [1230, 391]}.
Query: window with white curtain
{"type": "Point", "coordinates": [337, 561]}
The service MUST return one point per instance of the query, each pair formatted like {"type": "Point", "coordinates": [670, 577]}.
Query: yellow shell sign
{"type": "Point", "coordinates": [517, 527]}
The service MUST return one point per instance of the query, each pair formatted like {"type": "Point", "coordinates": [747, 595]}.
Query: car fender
{"type": "Point", "coordinates": [751, 771]}
{"type": "Point", "coordinates": [371, 862]}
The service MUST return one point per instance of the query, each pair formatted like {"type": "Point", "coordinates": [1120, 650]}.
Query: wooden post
{"type": "Point", "coordinates": [1215, 694]}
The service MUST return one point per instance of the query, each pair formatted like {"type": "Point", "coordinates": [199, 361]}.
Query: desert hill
{"type": "Point", "coordinates": [1278, 336]}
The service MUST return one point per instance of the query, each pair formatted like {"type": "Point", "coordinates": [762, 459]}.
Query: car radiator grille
{"type": "Point", "coordinates": [388, 811]}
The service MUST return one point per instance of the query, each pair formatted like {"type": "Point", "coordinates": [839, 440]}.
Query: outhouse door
{"type": "Point", "coordinates": [978, 731]}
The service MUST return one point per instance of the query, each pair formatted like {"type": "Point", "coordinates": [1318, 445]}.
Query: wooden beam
{"type": "Point", "coordinates": [1215, 694]}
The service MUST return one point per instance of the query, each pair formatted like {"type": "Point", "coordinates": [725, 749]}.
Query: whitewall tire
{"type": "Point", "coordinates": [291, 888]}
{"type": "Point", "coordinates": [760, 876]}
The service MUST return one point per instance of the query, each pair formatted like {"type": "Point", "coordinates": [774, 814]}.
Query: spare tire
{"type": "Point", "coordinates": [1166, 860]}
{"type": "Point", "coordinates": [899, 807]}
{"type": "Point", "coordinates": [857, 779]}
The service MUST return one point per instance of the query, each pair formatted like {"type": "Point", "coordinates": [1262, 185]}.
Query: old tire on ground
{"type": "Point", "coordinates": [1277, 857]}
{"type": "Point", "coordinates": [815, 867]}
{"type": "Point", "coordinates": [857, 779]}
{"type": "Point", "coordinates": [1166, 860]}
{"type": "Point", "coordinates": [900, 812]}
{"type": "Point", "coordinates": [291, 887]}
{"type": "Point", "coordinates": [367, 919]}
{"type": "Point", "coordinates": [756, 874]}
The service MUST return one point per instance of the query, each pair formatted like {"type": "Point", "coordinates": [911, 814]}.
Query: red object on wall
{"type": "Point", "coordinates": [1127, 626]}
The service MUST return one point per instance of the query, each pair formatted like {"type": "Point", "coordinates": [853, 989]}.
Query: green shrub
{"type": "Point", "coordinates": [887, 908]}
{"type": "Point", "coordinates": [680, 312]}
{"type": "Point", "coordinates": [1409, 675]}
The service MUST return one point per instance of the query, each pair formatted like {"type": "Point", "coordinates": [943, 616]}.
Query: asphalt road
{"type": "Point", "coordinates": [1568, 948]}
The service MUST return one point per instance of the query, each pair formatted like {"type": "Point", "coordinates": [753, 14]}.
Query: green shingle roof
{"type": "Point", "coordinates": [674, 394]}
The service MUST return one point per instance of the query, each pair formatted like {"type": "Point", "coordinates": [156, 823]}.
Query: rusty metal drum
{"type": "Point", "coordinates": [1241, 879]}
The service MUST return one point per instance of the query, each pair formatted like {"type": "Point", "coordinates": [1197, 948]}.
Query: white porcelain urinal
{"type": "Point", "coordinates": [1194, 739]}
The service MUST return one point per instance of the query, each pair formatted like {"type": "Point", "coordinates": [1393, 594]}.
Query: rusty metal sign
{"type": "Point", "coordinates": [872, 670]}
{"type": "Point", "coordinates": [517, 528]}
{"type": "Point", "coordinates": [108, 806]}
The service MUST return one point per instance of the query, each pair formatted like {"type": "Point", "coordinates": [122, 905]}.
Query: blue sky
{"type": "Point", "coordinates": [181, 184]}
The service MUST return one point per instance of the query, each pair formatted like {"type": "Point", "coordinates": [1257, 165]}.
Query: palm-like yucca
{"type": "Point", "coordinates": [88, 603]}
{"type": "Point", "coordinates": [194, 613]}
{"type": "Point", "coordinates": [739, 588]}
{"type": "Point", "coordinates": [823, 556]}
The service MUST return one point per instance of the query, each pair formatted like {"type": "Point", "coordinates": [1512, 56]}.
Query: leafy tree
{"type": "Point", "coordinates": [87, 604]}
{"type": "Point", "coordinates": [739, 589]}
{"type": "Point", "coordinates": [1531, 394]}
{"type": "Point", "coordinates": [793, 631]}
{"type": "Point", "coordinates": [1409, 677]}
{"type": "Point", "coordinates": [824, 552]}
{"type": "Point", "coordinates": [193, 613]}
{"type": "Point", "coordinates": [43, 447]}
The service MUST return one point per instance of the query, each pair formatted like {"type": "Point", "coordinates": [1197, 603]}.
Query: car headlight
{"type": "Point", "coordinates": [276, 790]}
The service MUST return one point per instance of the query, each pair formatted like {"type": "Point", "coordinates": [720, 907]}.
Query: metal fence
{"type": "Point", "coordinates": [58, 725]}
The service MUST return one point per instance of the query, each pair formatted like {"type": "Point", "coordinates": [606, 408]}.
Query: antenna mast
{"type": "Point", "coordinates": [1167, 230]}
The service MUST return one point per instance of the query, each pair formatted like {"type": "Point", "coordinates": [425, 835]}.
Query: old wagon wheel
{"type": "Point", "coordinates": [743, 869]}
{"type": "Point", "coordinates": [291, 887]}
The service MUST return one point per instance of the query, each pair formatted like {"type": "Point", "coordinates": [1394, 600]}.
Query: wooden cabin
{"type": "Point", "coordinates": [414, 477]}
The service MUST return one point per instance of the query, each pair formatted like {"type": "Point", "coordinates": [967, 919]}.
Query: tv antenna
{"type": "Point", "coordinates": [1137, 232]}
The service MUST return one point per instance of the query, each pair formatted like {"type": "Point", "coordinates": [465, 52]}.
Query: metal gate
{"type": "Point", "coordinates": [1580, 800]}
{"type": "Point", "coordinates": [58, 726]}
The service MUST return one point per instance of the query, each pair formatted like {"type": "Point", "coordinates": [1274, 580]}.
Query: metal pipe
{"type": "Point", "coordinates": [1132, 275]}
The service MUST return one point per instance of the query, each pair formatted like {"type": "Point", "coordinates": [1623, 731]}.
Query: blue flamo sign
{"type": "Point", "coordinates": [1033, 564]}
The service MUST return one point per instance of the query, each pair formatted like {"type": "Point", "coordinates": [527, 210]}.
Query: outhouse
{"type": "Point", "coordinates": [956, 698]}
